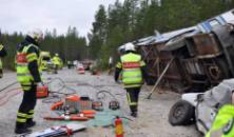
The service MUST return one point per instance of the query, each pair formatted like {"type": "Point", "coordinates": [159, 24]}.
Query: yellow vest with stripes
{"type": "Point", "coordinates": [22, 59]}
{"type": "Point", "coordinates": [131, 70]}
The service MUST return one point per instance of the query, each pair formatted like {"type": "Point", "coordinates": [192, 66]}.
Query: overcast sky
{"type": "Point", "coordinates": [24, 15]}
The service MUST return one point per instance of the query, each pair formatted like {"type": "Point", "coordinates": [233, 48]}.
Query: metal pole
{"type": "Point", "coordinates": [160, 78]}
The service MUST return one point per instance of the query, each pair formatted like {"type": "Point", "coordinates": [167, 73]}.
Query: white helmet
{"type": "Point", "coordinates": [36, 34]}
{"type": "Point", "coordinates": [129, 47]}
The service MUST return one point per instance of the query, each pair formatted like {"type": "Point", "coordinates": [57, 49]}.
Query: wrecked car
{"type": "Point", "coordinates": [201, 108]}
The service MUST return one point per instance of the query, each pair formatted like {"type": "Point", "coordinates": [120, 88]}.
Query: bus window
{"type": "Point", "coordinates": [214, 23]}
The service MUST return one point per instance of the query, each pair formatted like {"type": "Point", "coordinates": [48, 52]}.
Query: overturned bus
{"type": "Point", "coordinates": [201, 60]}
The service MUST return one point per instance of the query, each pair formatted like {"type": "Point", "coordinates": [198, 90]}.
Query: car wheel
{"type": "Point", "coordinates": [182, 113]}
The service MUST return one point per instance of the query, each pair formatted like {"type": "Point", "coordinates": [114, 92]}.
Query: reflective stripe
{"type": "Point", "coordinates": [0, 63]}
{"type": "Point", "coordinates": [22, 74]}
{"type": "Point", "coordinates": [132, 86]}
{"type": "Point", "coordinates": [132, 70]}
{"type": "Point", "coordinates": [119, 65]}
{"type": "Point", "coordinates": [131, 65]}
{"type": "Point", "coordinates": [21, 120]}
{"type": "Point", "coordinates": [130, 101]}
{"type": "Point", "coordinates": [31, 111]}
{"type": "Point", "coordinates": [31, 57]}
{"type": "Point", "coordinates": [1, 47]}
{"type": "Point", "coordinates": [30, 116]}
{"type": "Point", "coordinates": [133, 104]}
{"type": "Point", "coordinates": [128, 98]}
{"type": "Point", "coordinates": [22, 64]}
{"type": "Point", "coordinates": [21, 114]}
{"type": "Point", "coordinates": [26, 88]}
{"type": "Point", "coordinates": [26, 84]}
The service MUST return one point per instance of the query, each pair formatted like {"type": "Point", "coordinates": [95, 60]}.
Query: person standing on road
{"type": "Point", "coordinates": [28, 76]}
{"type": "Point", "coordinates": [3, 53]}
{"type": "Point", "coordinates": [57, 62]}
{"type": "Point", "coordinates": [132, 68]}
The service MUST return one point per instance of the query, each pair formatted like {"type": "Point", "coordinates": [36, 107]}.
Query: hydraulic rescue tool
{"type": "Point", "coordinates": [42, 92]}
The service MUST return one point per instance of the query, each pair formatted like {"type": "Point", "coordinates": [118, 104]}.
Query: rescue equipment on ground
{"type": "Point", "coordinates": [69, 118]}
{"type": "Point", "coordinates": [114, 105]}
{"type": "Point", "coordinates": [57, 106]}
{"type": "Point", "coordinates": [88, 112]}
{"type": "Point", "coordinates": [57, 131]}
{"type": "Point", "coordinates": [85, 103]}
{"type": "Point", "coordinates": [73, 104]}
{"type": "Point", "coordinates": [97, 105]}
{"type": "Point", "coordinates": [42, 92]}
{"type": "Point", "coordinates": [119, 131]}
{"type": "Point", "coordinates": [72, 101]}
{"type": "Point", "coordinates": [67, 110]}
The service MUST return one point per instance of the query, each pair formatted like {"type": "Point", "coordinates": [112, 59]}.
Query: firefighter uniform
{"type": "Point", "coordinates": [3, 53]}
{"type": "Point", "coordinates": [132, 70]}
{"type": "Point", "coordinates": [28, 76]}
{"type": "Point", "coordinates": [223, 125]}
{"type": "Point", "coordinates": [57, 62]}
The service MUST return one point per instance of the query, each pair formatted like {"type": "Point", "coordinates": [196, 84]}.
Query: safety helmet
{"type": "Point", "coordinates": [129, 47]}
{"type": "Point", "coordinates": [36, 34]}
{"type": "Point", "coordinates": [56, 54]}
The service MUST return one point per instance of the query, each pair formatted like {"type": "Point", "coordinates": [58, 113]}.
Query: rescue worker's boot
{"type": "Point", "coordinates": [134, 114]}
{"type": "Point", "coordinates": [133, 111]}
{"type": "Point", "coordinates": [30, 123]}
{"type": "Point", "coordinates": [21, 128]}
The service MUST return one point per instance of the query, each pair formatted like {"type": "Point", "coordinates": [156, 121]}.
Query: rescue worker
{"type": "Point", "coordinates": [132, 68]}
{"type": "Point", "coordinates": [57, 62]}
{"type": "Point", "coordinates": [223, 125]}
{"type": "Point", "coordinates": [3, 53]}
{"type": "Point", "coordinates": [28, 75]}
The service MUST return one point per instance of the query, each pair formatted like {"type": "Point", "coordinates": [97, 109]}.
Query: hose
{"type": "Point", "coordinates": [53, 96]}
{"type": "Point", "coordinates": [8, 95]}
{"type": "Point", "coordinates": [13, 83]}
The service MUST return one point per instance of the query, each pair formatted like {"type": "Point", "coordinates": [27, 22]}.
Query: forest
{"type": "Point", "coordinates": [120, 23]}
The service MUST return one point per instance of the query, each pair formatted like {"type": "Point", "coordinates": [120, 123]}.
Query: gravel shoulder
{"type": "Point", "coordinates": [153, 113]}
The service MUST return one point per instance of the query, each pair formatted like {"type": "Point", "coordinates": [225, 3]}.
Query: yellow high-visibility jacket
{"type": "Point", "coordinates": [223, 125]}
{"type": "Point", "coordinates": [131, 64]}
{"type": "Point", "coordinates": [22, 60]}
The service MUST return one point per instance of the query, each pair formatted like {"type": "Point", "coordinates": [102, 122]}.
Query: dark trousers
{"type": "Point", "coordinates": [1, 73]}
{"type": "Point", "coordinates": [26, 109]}
{"type": "Point", "coordinates": [132, 97]}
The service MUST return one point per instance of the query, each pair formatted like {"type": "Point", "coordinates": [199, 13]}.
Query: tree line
{"type": "Point", "coordinates": [119, 23]}
{"type": "Point", "coordinates": [133, 19]}
{"type": "Point", "coordinates": [69, 47]}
